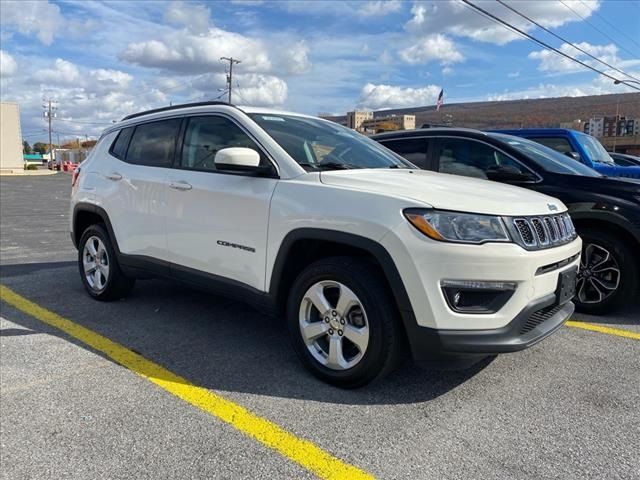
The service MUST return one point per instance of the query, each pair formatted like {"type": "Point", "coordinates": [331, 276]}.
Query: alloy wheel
{"type": "Point", "coordinates": [95, 261]}
{"type": "Point", "coordinates": [334, 325]}
{"type": "Point", "coordinates": [599, 274]}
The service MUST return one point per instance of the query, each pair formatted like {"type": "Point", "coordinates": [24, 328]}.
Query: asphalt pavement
{"type": "Point", "coordinates": [566, 408]}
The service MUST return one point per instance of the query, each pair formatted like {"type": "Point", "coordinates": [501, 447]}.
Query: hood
{"type": "Point", "coordinates": [446, 192]}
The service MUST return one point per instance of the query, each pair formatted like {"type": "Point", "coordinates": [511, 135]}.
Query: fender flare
{"type": "Point", "coordinates": [89, 207]}
{"type": "Point", "coordinates": [375, 249]}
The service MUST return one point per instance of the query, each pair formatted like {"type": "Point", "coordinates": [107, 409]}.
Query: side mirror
{"type": "Point", "coordinates": [573, 155]}
{"type": "Point", "coordinates": [508, 173]}
{"type": "Point", "coordinates": [237, 159]}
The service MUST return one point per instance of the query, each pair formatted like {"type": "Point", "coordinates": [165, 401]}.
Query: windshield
{"type": "Point", "coordinates": [594, 148]}
{"type": "Point", "coordinates": [547, 158]}
{"type": "Point", "coordinates": [322, 145]}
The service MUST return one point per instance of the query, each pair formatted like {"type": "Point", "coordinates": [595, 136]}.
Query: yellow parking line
{"type": "Point", "coordinates": [303, 452]}
{"type": "Point", "coordinates": [608, 330]}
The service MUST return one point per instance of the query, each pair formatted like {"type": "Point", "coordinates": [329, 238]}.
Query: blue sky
{"type": "Point", "coordinates": [103, 60]}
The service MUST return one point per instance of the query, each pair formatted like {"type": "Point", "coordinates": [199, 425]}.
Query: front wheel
{"type": "Point", "coordinates": [608, 275]}
{"type": "Point", "coordinates": [343, 322]}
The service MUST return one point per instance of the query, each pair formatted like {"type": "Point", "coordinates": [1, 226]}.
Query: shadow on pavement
{"type": "Point", "coordinates": [16, 332]}
{"type": "Point", "coordinates": [213, 342]}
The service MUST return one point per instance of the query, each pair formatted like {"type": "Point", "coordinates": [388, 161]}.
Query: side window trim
{"type": "Point", "coordinates": [177, 164]}
{"type": "Point", "coordinates": [510, 157]}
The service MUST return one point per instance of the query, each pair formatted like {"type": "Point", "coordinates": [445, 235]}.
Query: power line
{"type": "Point", "coordinates": [597, 29]}
{"type": "Point", "coordinates": [565, 40]}
{"type": "Point", "coordinates": [601, 17]}
{"type": "Point", "coordinates": [84, 123]}
{"type": "Point", "coordinates": [539, 42]}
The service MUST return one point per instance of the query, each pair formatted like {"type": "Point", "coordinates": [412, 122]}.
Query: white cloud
{"type": "Point", "coordinates": [62, 73]}
{"type": "Point", "coordinates": [387, 96]}
{"type": "Point", "coordinates": [295, 59]}
{"type": "Point", "coordinates": [458, 19]}
{"type": "Point", "coordinates": [8, 65]}
{"type": "Point", "coordinates": [193, 16]}
{"type": "Point", "coordinates": [552, 62]}
{"type": "Point", "coordinates": [598, 86]}
{"type": "Point", "coordinates": [432, 47]}
{"type": "Point", "coordinates": [260, 90]}
{"type": "Point", "coordinates": [33, 17]}
{"type": "Point", "coordinates": [183, 52]}
{"type": "Point", "coordinates": [380, 7]}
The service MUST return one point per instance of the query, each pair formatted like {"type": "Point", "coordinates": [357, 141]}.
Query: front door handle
{"type": "Point", "coordinates": [114, 176]}
{"type": "Point", "coordinates": [180, 185]}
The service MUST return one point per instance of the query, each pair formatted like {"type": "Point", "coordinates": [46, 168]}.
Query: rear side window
{"type": "Point", "coordinates": [120, 144]}
{"type": "Point", "coordinates": [413, 149]}
{"type": "Point", "coordinates": [153, 144]}
{"type": "Point", "coordinates": [559, 144]}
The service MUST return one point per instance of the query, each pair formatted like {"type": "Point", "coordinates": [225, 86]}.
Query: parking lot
{"type": "Point", "coordinates": [186, 388]}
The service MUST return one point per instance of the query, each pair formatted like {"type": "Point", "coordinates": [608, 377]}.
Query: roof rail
{"type": "Point", "coordinates": [174, 107]}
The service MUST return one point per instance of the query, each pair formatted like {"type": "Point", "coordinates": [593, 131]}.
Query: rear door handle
{"type": "Point", "coordinates": [180, 185]}
{"type": "Point", "coordinates": [114, 176]}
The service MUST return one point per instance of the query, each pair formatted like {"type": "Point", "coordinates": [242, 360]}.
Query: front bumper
{"type": "Point", "coordinates": [534, 323]}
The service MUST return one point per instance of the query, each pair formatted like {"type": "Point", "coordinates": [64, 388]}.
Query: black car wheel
{"type": "Point", "coordinates": [608, 276]}
{"type": "Point", "coordinates": [343, 322]}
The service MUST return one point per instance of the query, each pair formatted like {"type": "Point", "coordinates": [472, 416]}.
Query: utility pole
{"type": "Point", "coordinates": [231, 61]}
{"type": "Point", "coordinates": [49, 114]}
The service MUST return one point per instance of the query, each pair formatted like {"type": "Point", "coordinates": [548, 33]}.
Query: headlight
{"type": "Point", "coordinates": [458, 227]}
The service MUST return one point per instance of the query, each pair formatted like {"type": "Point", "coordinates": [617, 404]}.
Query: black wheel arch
{"type": "Point", "coordinates": [286, 268]}
{"type": "Point", "coordinates": [85, 214]}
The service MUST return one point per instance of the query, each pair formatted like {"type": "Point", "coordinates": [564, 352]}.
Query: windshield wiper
{"type": "Point", "coordinates": [327, 166]}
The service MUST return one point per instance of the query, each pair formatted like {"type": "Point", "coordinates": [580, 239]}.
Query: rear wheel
{"type": "Point", "coordinates": [342, 322]}
{"type": "Point", "coordinates": [608, 276]}
{"type": "Point", "coordinates": [99, 269]}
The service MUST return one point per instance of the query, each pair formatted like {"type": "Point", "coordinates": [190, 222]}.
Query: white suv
{"type": "Point", "coordinates": [368, 256]}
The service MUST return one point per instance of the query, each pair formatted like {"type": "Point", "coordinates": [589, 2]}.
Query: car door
{"type": "Point", "coordinates": [473, 158]}
{"type": "Point", "coordinates": [217, 220]}
{"type": "Point", "coordinates": [414, 149]}
{"type": "Point", "coordinates": [135, 196]}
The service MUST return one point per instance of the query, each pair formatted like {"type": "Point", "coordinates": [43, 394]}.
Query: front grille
{"type": "Point", "coordinates": [535, 233]}
{"type": "Point", "coordinates": [538, 317]}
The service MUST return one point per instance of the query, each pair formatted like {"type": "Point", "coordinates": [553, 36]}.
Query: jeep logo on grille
{"type": "Point", "coordinates": [552, 207]}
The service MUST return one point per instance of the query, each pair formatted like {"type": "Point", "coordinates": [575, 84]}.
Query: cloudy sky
{"type": "Point", "coordinates": [103, 60]}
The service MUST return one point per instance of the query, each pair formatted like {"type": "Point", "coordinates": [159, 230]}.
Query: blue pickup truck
{"type": "Point", "coordinates": [578, 146]}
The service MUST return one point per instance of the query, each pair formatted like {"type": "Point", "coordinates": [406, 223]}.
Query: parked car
{"type": "Point", "coordinates": [624, 160]}
{"type": "Point", "coordinates": [605, 211]}
{"type": "Point", "coordinates": [577, 146]}
{"type": "Point", "coordinates": [362, 251]}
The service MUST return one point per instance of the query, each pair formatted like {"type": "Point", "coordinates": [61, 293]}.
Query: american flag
{"type": "Point", "coordinates": [440, 100]}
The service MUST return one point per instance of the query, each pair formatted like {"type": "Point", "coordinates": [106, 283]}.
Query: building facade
{"type": "Point", "coordinates": [10, 138]}
{"type": "Point", "coordinates": [390, 122]}
{"type": "Point", "coordinates": [355, 119]}
{"type": "Point", "coordinates": [614, 126]}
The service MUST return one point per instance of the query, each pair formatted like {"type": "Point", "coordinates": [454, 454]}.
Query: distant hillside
{"type": "Point", "coordinates": [542, 112]}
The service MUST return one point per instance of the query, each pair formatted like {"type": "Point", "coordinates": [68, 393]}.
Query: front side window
{"type": "Point", "coordinates": [153, 144]}
{"type": "Point", "coordinates": [205, 136]}
{"type": "Point", "coordinates": [469, 158]}
{"type": "Point", "coordinates": [413, 149]}
{"type": "Point", "coordinates": [323, 145]}
{"type": "Point", "coordinates": [559, 144]}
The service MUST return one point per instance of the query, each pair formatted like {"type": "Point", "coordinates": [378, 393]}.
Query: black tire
{"type": "Point", "coordinates": [622, 254]}
{"type": "Point", "coordinates": [365, 280]}
{"type": "Point", "coordinates": [117, 285]}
